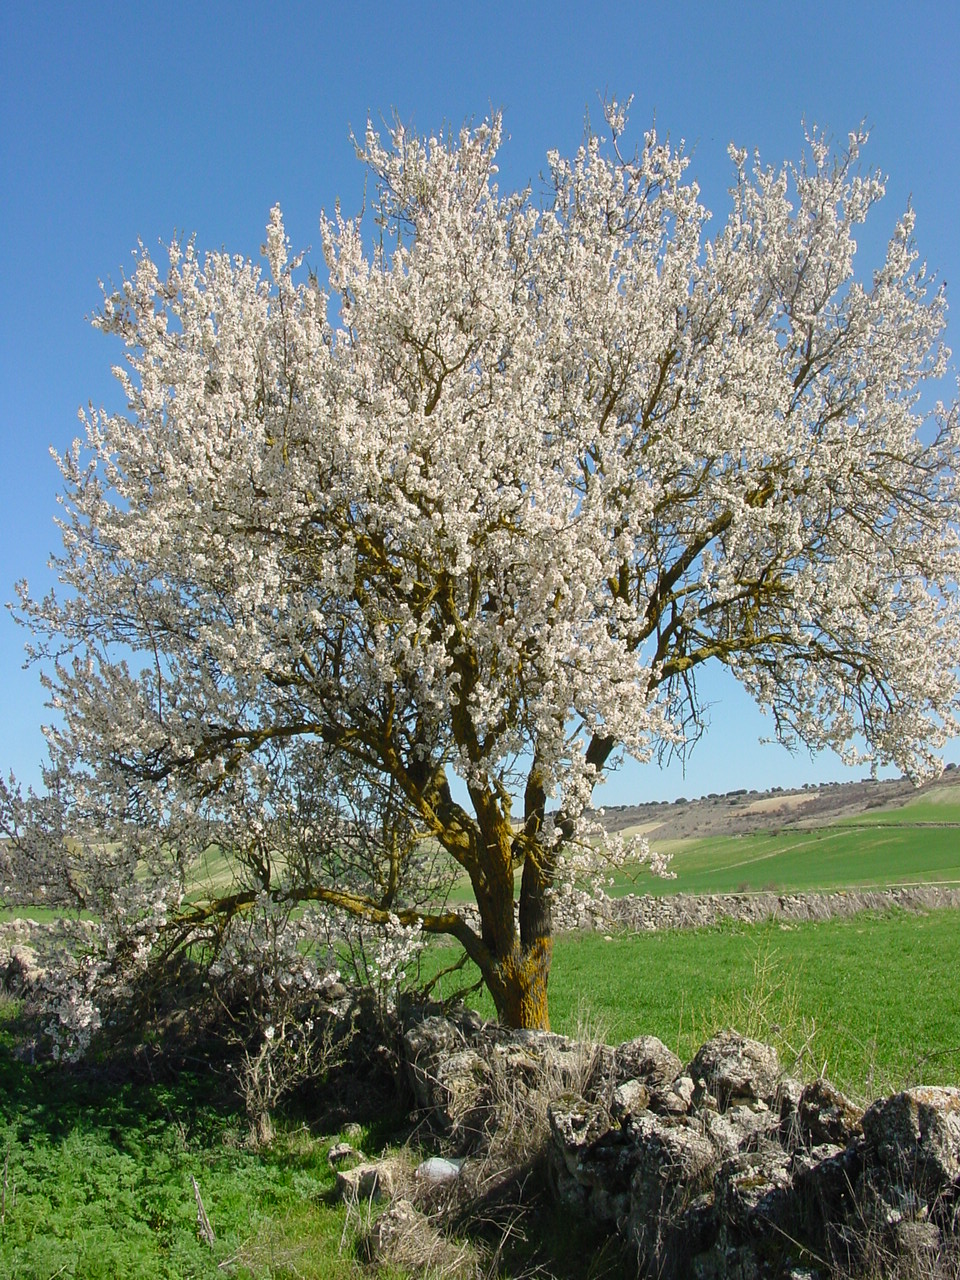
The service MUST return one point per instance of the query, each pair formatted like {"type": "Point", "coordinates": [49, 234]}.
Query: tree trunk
{"type": "Point", "coordinates": [514, 962]}
{"type": "Point", "coordinates": [519, 974]}
{"type": "Point", "coordinates": [518, 984]}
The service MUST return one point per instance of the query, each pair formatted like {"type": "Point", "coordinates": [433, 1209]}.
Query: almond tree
{"type": "Point", "coordinates": [396, 570]}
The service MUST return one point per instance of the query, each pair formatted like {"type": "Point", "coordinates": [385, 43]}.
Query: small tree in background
{"type": "Point", "coordinates": [483, 527]}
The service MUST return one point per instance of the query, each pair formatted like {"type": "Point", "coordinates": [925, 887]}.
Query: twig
{"type": "Point", "coordinates": [3, 1196]}
{"type": "Point", "coordinates": [204, 1229]}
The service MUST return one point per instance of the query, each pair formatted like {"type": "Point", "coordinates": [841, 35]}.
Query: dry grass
{"type": "Point", "coordinates": [770, 1009]}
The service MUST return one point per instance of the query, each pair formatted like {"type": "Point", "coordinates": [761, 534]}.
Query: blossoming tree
{"type": "Point", "coordinates": [374, 576]}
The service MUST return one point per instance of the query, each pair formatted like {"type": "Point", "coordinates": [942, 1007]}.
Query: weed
{"type": "Point", "coordinates": [770, 1008]}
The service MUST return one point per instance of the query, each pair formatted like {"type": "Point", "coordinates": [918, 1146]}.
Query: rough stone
{"type": "Point", "coordinates": [629, 1099]}
{"type": "Point", "coordinates": [461, 1092]}
{"type": "Point", "coordinates": [648, 1059]}
{"type": "Point", "coordinates": [425, 1043]}
{"type": "Point", "coordinates": [20, 971]}
{"type": "Point", "coordinates": [529, 1058]}
{"type": "Point", "coordinates": [824, 1178]}
{"type": "Point", "coordinates": [675, 1099]}
{"type": "Point", "coordinates": [916, 1136]}
{"type": "Point", "coordinates": [404, 1238]}
{"type": "Point", "coordinates": [787, 1103]}
{"type": "Point", "coordinates": [674, 1165]}
{"type": "Point", "coordinates": [342, 1155]}
{"type": "Point", "coordinates": [824, 1114]}
{"type": "Point", "coordinates": [736, 1069]}
{"type": "Point", "coordinates": [883, 1203]}
{"type": "Point", "coordinates": [917, 1241]}
{"type": "Point", "coordinates": [738, 1128]}
{"type": "Point", "coordinates": [608, 1163]}
{"type": "Point", "coordinates": [402, 1218]}
{"type": "Point", "coordinates": [575, 1125]}
{"type": "Point", "coordinates": [374, 1180]}
{"type": "Point", "coordinates": [711, 1172]}
{"type": "Point", "coordinates": [647, 912]}
{"type": "Point", "coordinates": [753, 1193]}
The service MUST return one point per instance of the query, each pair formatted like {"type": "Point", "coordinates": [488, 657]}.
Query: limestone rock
{"type": "Point", "coordinates": [674, 1099]}
{"type": "Point", "coordinates": [710, 1172]}
{"type": "Point", "coordinates": [425, 1044]}
{"type": "Point", "coordinates": [883, 1203]}
{"type": "Point", "coordinates": [450, 1079]}
{"type": "Point", "coordinates": [648, 1059]}
{"type": "Point", "coordinates": [787, 1103]}
{"type": "Point", "coordinates": [403, 1238]}
{"type": "Point", "coordinates": [824, 1178]}
{"type": "Point", "coordinates": [629, 1099]}
{"type": "Point", "coordinates": [19, 971]}
{"type": "Point", "coordinates": [674, 1164]}
{"type": "Point", "coordinates": [753, 1193]}
{"type": "Point", "coordinates": [739, 1128]}
{"type": "Point", "coordinates": [343, 1156]}
{"type": "Point", "coordinates": [736, 1069]}
{"type": "Point", "coordinates": [401, 1219]}
{"type": "Point", "coordinates": [916, 1136]}
{"type": "Point", "coordinates": [373, 1180]}
{"type": "Point", "coordinates": [575, 1125]}
{"type": "Point", "coordinates": [824, 1114]}
{"type": "Point", "coordinates": [918, 1242]}
{"type": "Point", "coordinates": [461, 1092]}
{"type": "Point", "coordinates": [568, 1064]}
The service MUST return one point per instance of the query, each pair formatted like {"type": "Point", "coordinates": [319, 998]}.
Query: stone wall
{"type": "Point", "coordinates": [720, 1167]}
{"type": "Point", "coordinates": [693, 910]}
{"type": "Point", "coordinates": [647, 912]}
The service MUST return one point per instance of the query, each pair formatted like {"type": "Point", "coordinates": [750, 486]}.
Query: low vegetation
{"type": "Point", "coordinates": [97, 1181]}
{"type": "Point", "coordinates": [98, 1168]}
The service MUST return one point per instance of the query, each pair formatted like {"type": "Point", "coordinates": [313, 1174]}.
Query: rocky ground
{"type": "Point", "coordinates": [723, 1169]}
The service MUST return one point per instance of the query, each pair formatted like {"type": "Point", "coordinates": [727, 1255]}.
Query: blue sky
{"type": "Point", "coordinates": [120, 121]}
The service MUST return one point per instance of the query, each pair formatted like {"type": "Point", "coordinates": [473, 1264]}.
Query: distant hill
{"type": "Point", "coordinates": [742, 812]}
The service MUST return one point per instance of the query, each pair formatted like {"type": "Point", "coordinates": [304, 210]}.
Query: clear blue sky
{"type": "Point", "coordinates": [120, 121]}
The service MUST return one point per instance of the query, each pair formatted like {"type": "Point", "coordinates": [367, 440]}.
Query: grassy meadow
{"type": "Point", "coordinates": [840, 994]}
{"type": "Point", "coordinates": [916, 843]}
{"type": "Point", "coordinates": [842, 856]}
{"type": "Point", "coordinates": [97, 1182]}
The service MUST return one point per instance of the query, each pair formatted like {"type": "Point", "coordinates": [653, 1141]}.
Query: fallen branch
{"type": "Point", "coordinates": [204, 1229]}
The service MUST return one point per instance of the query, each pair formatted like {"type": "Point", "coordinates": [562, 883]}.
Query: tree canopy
{"type": "Point", "coordinates": [390, 570]}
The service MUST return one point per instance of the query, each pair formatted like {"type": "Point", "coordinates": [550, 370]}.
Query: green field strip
{"type": "Point", "coordinates": [822, 858]}
{"type": "Point", "coordinates": [914, 813]}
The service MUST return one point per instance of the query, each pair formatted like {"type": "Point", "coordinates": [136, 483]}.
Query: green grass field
{"type": "Point", "coordinates": [97, 1175]}
{"type": "Point", "coordinates": [97, 1183]}
{"type": "Point", "coordinates": [841, 856]}
{"type": "Point", "coordinates": [917, 843]}
{"type": "Point", "coordinates": [846, 988]}
{"type": "Point", "coordinates": [937, 808]}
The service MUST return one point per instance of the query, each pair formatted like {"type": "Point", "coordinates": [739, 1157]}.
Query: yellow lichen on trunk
{"type": "Point", "coordinates": [518, 984]}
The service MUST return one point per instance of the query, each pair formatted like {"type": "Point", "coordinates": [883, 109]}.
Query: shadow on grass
{"type": "Point", "coordinates": [98, 1164]}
